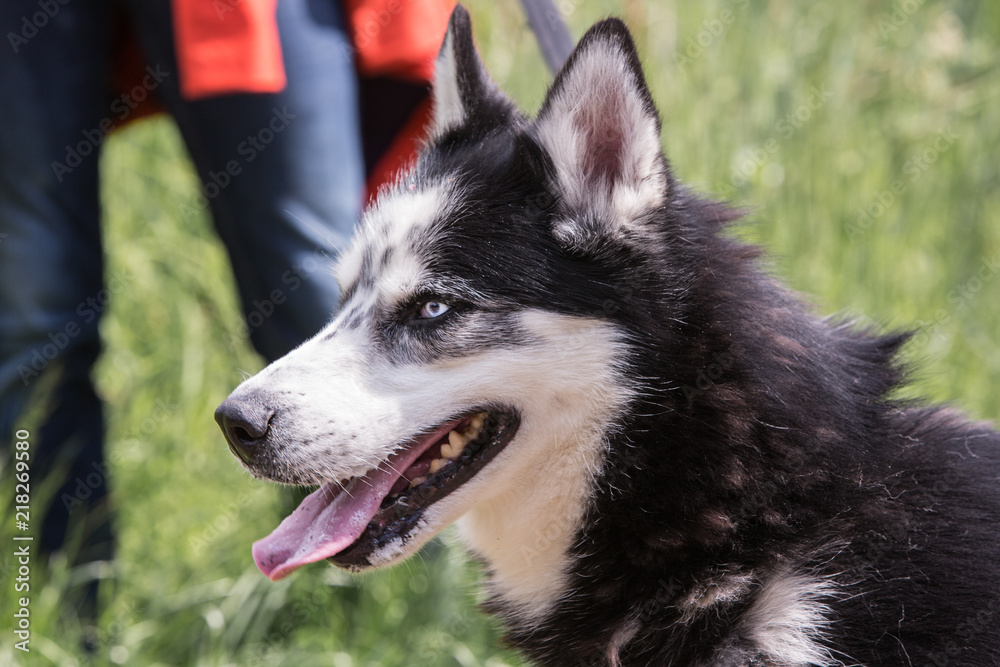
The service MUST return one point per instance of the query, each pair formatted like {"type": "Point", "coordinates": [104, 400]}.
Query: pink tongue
{"type": "Point", "coordinates": [331, 518]}
{"type": "Point", "coordinates": [327, 521]}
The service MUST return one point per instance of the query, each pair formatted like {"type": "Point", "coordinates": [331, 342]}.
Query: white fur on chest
{"type": "Point", "coordinates": [524, 509]}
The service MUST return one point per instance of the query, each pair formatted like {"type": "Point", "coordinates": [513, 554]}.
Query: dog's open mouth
{"type": "Point", "coordinates": [346, 521]}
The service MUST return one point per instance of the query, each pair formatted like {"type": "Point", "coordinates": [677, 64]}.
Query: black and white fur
{"type": "Point", "coordinates": [787, 513]}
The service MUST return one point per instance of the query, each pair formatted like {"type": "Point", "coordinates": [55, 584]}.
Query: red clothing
{"type": "Point", "coordinates": [229, 46]}
{"type": "Point", "coordinates": [398, 38]}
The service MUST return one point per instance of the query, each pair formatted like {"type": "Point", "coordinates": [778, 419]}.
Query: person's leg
{"type": "Point", "coordinates": [54, 83]}
{"type": "Point", "coordinates": [298, 191]}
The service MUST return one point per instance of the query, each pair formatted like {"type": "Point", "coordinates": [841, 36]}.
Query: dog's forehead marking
{"type": "Point", "coordinates": [385, 257]}
{"type": "Point", "coordinates": [399, 277]}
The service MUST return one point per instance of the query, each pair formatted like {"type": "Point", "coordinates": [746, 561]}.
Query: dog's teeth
{"type": "Point", "coordinates": [478, 421]}
{"type": "Point", "coordinates": [457, 441]}
{"type": "Point", "coordinates": [475, 426]}
{"type": "Point", "coordinates": [417, 481]}
{"type": "Point", "coordinates": [450, 452]}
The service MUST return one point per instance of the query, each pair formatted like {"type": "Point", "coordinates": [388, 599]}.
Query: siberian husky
{"type": "Point", "coordinates": [660, 455]}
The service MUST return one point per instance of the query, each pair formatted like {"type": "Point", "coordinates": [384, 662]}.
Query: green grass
{"type": "Point", "coordinates": [184, 590]}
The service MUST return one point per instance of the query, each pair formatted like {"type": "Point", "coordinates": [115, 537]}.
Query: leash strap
{"type": "Point", "coordinates": [550, 30]}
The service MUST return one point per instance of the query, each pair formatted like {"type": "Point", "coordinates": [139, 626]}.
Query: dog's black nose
{"type": "Point", "coordinates": [245, 424]}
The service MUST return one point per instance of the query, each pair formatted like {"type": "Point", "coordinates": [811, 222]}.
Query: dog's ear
{"type": "Point", "coordinates": [600, 128]}
{"type": "Point", "coordinates": [464, 94]}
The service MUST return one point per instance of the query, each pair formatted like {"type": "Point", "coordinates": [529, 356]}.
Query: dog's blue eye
{"type": "Point", "coordinates": [433, 309]}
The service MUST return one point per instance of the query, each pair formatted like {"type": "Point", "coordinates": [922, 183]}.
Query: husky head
{"type": "Point", "coordinates": [478, 366]}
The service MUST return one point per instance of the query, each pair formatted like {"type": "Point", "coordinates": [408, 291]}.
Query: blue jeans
{"type": "Point", "coordinates": [283, 212]}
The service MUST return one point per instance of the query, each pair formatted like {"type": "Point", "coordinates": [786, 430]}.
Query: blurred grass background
{"type": "Point", "coordinates": [807, 112]}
